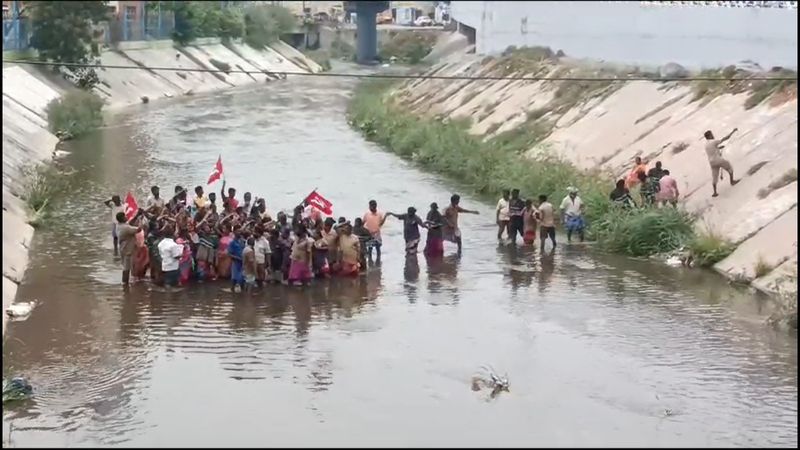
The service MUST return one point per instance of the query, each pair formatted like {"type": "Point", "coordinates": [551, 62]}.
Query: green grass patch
{"type": "Point", "coordinates": [75, 114]}
{"type": "Point", "coordinates": [409, 47]}
{"type": "Point", "coordinates": [43, 186]}
{"type": "Point", "coordinates": [709, 248]}
{"type": "Point", "coordinates": [489, 166]}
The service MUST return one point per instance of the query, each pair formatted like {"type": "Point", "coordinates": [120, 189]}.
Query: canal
{"type": "Point", "coordinates": [599, 349]}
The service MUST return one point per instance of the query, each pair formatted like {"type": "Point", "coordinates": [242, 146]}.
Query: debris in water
{"type": "Point", "coordinates": [490, 380]}
{"type": "Point", "coordinates": [20, 310]}
{"type": "Point", "coordinates": [16, 389]}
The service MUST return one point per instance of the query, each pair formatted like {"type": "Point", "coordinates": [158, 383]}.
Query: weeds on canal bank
{"type": "Point", "coordinates": [75, 114]}
{"type": "Point", "coordinates": [489, 166]}
{"type": "Point", "coordinates": [43, 184]}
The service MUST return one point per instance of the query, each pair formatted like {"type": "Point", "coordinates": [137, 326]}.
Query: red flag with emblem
{"type": "Point", "coordinates": [131, 207]}
{"type": "Point", "coordinates": [319, 202]}
{"type": "Point", "coordinates": [216, 174]}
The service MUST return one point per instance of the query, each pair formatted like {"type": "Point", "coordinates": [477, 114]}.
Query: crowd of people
{"type": "Point", "coordinates": [180, 240]}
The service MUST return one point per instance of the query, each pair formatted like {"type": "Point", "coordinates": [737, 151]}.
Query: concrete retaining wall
{"type": "Point", "coordinates": [26, 93]}
{"type": "Point", "coordinates": [629, 32]}
{"type": "Point", "coordinates": [651, 119]}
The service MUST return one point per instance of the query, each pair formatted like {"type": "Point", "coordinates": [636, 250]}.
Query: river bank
{"type": "Point", "coordinates": [27, 91]}
{"type": "Point", "coordinates": [598, 127]}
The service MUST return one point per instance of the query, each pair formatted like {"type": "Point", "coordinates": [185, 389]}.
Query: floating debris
{"type": "Point", "coordinates": [490, 380]}
{"type": "Point", "coordinates": [17, 389]}
{"type": "Point", "coordinates": [20, 310]}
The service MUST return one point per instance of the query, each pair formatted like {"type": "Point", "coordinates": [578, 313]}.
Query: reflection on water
{"type": "Point", "coordinates": [596, 346]}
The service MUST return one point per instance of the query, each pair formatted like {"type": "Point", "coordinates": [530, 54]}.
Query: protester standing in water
{"type": "Point", "coordinates": [170, 253]}
{"type": "Point", "coordinates": [501, 215]}
{"type": "Point", "coordinates": [572, 210]}
{"type": "Point", "coordinates": [127, 240]}
{"type": "Point", "coordinates": [716, 161]}
{"type": "Point", "coordinates": [434, 245]}
{"type": "Point", "coordinates": [373, 221]}
{"type": "Point", "coordinates": [115, 205]}
{"type": "Point", "coordinates": [300, 268]}
{"type": "Point", "coordinates": [529, 223]}
{"type": "Point", "coordinates": [349, 251]}
{"type": "Point", "coordinates": [547, 219]}
{"type": "Point", "coordinates": [516, 222]}
{"type": "Point", "coordinates": [155, 200]}
{"type": "Point", "coordinates": [451, 231]}
{"type": "Point", "coordinates": [236, 252]}
{"type": "Point", "coordinates": [411, 224]}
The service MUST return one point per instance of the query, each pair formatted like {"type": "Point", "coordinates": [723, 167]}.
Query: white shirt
{"type": "Point", "coordinates": [152, 201]}
{"type": "Point", "coordinates": [262, 250]}
{"type": "Point", "coordinates": [502, 208]}
{"type": "Point", "coordinates": [170, 252]}
{"type": "Point", "coordinates": [114, 210]}
{"type": "Point", "coordinates": [571, 207]}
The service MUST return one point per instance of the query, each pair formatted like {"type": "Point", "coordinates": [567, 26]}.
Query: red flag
{"type": "Point", "coordinates": [319, 202]}
{"type": "Point", "coordinates": [131, 207]}
{"type": "Point", "coordinates": [217, 172]}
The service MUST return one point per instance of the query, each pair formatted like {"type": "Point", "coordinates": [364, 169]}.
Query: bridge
{"type": "Point", "coordinates": [366, 28]}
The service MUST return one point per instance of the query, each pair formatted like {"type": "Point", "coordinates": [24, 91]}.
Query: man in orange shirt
{"type": "Point", "coordinates": [373, 221]}
{"type": "Point", "coordinates": [633, 177]}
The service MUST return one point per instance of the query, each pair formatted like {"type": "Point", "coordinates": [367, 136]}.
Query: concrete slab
{"type": "Point", "coordinates": [763, 247]}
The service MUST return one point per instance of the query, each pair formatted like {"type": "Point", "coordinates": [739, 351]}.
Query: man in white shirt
{"type": "Point", "coordinates": [715, 159]}
{"type": "Point", "coordinates": [170, 252]}
{"type": "Point", "coordinates": [502, 214]}
{"type": "Point", "coordinates": [115, 204]}
{"type": "Point", "coordinates": [547, 218]}
{"type": "Point", "coordinates": [262, 253]}
{"type": "Point", "coordinates": [572, 212]}
{"type": "Point", "coordinates": [154, 200]}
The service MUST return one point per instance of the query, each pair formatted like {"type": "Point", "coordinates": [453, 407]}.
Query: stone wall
{"type": "Point", "coordinates": [26, 93]}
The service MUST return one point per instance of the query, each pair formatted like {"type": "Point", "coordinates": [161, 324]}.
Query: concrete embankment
{"type": "Point", "coordinates": [27, 91]}
{"type": "Point", "coordinates": [606, 127]}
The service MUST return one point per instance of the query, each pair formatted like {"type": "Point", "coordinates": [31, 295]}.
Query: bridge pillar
{"type": "Point", "coordinates": [366, 28]}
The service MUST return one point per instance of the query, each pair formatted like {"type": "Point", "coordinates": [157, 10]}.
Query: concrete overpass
{"type": "Point", "coordinates": [366, 28]}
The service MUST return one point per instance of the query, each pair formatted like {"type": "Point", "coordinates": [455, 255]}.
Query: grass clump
{"type": "Point", "coordinates": [643, 231]}
{"type": "Point", "coordinates": [320, 57]}
{"type": "Point", "coordinates": [788, 177]}
{"type": "Point", "coordinates": [708, 248]}
{"type": "Point", "coordinates": [761, 268]}
{"type": "Point", "coordinates": [407, 47]}
{"type": "Point", "coordinates": [340, 49]}
{"type": "Point", "coordinates": [489, 166]}
{"type": "Point", "coordinates": [525, 60]}
{"type": "Point", "coordinates": [75, 114]}
{"type": "Point", "coordinates": [43, 184]}
{"type": "Point", "coordinates": [764, 89]}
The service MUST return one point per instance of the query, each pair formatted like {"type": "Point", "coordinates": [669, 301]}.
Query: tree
{"type": "Point", "coordinates": [264, 24]}
{"type": "Point", "coordinates": [62, 31]}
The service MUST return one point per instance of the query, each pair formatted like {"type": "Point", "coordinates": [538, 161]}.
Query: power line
{"type": "Point", "coordinates": [398, 76]}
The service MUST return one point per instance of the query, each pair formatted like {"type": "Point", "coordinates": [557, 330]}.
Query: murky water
{"type": "Point", "coordinates": [596, 347]}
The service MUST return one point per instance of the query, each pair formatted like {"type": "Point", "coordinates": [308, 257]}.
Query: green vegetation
{"type": "Point", "coordinates": [258, 25]}
{"type": "Point", "coordinates": [75, 114]}
{"type": "Point", "coordinates": [43, 184]}
{"type": "Point", "coordinates": [708, 248]}
{"type": "Point", "coordinates": [489, 166]}
{"type": "Point", "coordinates": [342, 50]}
{"type": "Point", "coordinates": [759, 90]}
{"type": "Point", "coordinates": [407, 47]}
{"type": "Point", "coordinates": [62, 31]}
{"type": "Point", "coordinates": [320, 57]}
{"type": "Point", "coordinates": [264, 24]}
{"type": "Point", "coordinates": [762, 268]}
